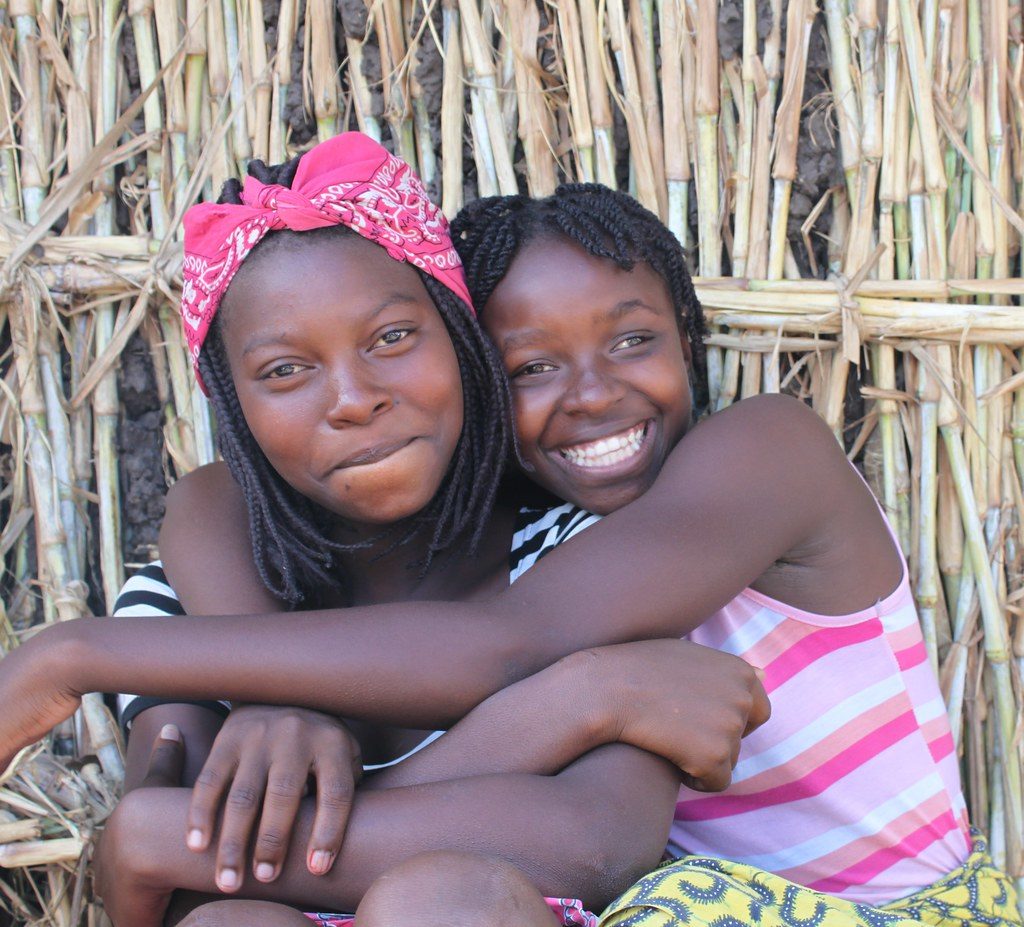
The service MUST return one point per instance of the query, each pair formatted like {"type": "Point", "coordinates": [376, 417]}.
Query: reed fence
{"type": "Point", "coordinates": [847, 179]}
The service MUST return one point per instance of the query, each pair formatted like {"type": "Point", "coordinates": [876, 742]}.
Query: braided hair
{"type": "Point", "coordinates": [489, 233]}
{"type": "Point", "coordinates": [293, 549]}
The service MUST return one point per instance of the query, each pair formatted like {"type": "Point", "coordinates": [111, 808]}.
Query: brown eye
{"type": "Point", "coordinates": [392, 336]}
{"type": "Point", "coordinates": [630, 341]}
{"type": "Point", "coordinates": [283, 370]}
{"type": "Point", "coordinates": [534, 369]}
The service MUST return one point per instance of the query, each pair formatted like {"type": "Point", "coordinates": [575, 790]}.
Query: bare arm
{"type": "Point", "coordinates": [677, 700]}
{"type": "Point", "coordinates": [587, 832]}
{"type": "Point", "coordinates": [741, 494]}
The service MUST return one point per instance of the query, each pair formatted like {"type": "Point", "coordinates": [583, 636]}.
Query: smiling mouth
{"type": "Point", "coordinates": [609, 451]}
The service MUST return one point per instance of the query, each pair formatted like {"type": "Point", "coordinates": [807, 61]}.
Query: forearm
{"type": "Point", "coordinates": [538, 725]}
{"type": "Point", "coordinates": [331, 661]}
{"type": "Point", "coordinates": [544, 825]}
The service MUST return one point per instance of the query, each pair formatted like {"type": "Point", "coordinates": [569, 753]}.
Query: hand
{"type": "Point", "coordinates": [687, 703]}
{"type": "Point", "coordinates": [265, 755]}
{"type": "Point", "coordinates": [35, 691]}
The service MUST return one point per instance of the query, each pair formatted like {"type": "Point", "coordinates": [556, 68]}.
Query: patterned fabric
{"type": "Point", "coordinates": [569, 912]}
{"type": "Point", "coordinates": [347, 180]}
{"type": "Point", "coordinates": [539, 531]}
{"type": "Point", "coordinates": [852, 788]}
{"type": "Point", "coordinates": [707, 892]}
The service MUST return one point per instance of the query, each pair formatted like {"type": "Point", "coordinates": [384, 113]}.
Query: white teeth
{"type": "Point", "coordinates": [607, 451]}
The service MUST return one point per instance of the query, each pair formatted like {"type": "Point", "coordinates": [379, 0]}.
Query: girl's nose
{"type": "Point", "coordinates": [358, 399]}
{"type": "Point", "coordinates": [592, 392]}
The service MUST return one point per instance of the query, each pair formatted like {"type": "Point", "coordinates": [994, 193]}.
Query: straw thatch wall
{"type": "Point", "coordinates": [847, 178]}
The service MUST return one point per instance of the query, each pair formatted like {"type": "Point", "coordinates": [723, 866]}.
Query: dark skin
{"type": "Point", "coordinates": [593, 355]}
{"type": "Point", "coordinates": [749, 481]}
{"type": "Point", "coordinates": [354, 401]}
{"type": "Point", "coordinates": [582, 701]}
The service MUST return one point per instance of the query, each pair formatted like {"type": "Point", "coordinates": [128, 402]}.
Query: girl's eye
{"type": "Point", "coordinates": [283, 370]}
{"type": "Point", "coordinates": [630, 341]}
{"type": "Point", "coordinates": [533, 369]}
{"type": "Point", "coordinates": [392, 336]}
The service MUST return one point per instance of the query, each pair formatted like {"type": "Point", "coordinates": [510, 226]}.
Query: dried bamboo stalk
{"type": "Point", "coordinates": [931, 124]}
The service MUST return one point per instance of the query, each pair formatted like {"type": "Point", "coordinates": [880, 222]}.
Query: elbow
{"type": "Point", "coordinates": [614, 855]}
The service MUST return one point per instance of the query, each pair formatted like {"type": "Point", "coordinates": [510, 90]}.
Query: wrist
{"type": "Point", "coordinates": [66, 655]}
{"type": "Point", "coordinates": [584, 687]}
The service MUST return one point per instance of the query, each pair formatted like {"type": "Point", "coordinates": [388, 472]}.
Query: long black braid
{"type": "Point", "coordinates": [488, 234]}
{"type": "Point", "coordinates": [294, 552]}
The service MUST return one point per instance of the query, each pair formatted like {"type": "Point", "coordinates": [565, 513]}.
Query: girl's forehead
{"type": "Point", "coordinates": [556, 278]}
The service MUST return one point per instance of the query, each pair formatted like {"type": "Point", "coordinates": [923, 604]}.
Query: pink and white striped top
{"type": "Point", "coordinates": [852, 788]}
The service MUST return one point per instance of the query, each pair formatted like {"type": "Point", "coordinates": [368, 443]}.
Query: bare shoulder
{"type": "Point", "coordinates": [208, 494]}
{"type": "Point", "coordinates": [206, 548]}
{"type": "Point", "coordinates": [778, 438]}
{"type": "Point", "coordinates": [772, 418]}
{"type": "Point", "coordinates": [209, 484]}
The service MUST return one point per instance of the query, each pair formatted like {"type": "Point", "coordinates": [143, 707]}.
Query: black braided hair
{"type": "Point", "coordinates": [488, 234]}
{"type": "Point", "coordinates": [294, 552]}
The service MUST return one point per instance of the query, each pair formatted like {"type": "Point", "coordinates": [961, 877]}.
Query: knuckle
{"type": "Point", "coordinates": [229, 848]}
{"type": "Point", "coordinates": [286, 786]}
{"type": "Point", "coordinates": [720, 758]}
{"type": "Point", "coordinates": [271, 841]}
{"type": "Point", "coordinates": [210, 777]}
{"type": "Point", "coordinates": [335, 793]}
{"type": "Point", "coordinates": [243, 798]}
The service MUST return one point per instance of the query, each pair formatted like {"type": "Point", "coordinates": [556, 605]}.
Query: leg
{"type": "Point", "coordinates": [445, 888]}
{"type": "Point", "coordinates": [248, 913]}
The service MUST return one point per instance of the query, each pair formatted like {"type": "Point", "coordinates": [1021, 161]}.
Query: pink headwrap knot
{"type": "Point", "coordinates": [348, 180]}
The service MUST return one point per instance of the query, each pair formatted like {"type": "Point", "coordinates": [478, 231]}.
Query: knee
{"type": "Point", "coordinates": [448, 888]}
{"type": "Point", "coordinates": [231, 913]}
{"type": "Point", "coordinates": [214, 914]}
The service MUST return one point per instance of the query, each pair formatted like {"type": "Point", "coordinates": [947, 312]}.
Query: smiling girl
{"type": "Point", "coordinates": [363, 418]}
{"type": "Point", "coordinates": [846, 807]}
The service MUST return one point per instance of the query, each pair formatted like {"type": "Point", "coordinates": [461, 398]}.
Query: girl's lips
{"type": "Point", "coordinates": [372, 455]}
{"type": "Point", "coordinates": [610, 457]}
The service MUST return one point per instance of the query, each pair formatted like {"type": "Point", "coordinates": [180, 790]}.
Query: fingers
{"type": "Point", "coordinates": [714, 776]}
{"type": "Point", "coordinates": [761, 709]}
{"type": "Point", "coordinates": [166, 760]}
{"type": "Point", "coordinates": [240, 811]}
{"type": "Point", "coordinates": [210, 786]}
{"type": "Point", "coordinates": [335, 789]}
{"type": "Point", "coordinates": [286, 785]}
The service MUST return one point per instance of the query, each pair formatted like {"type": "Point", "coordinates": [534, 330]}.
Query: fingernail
{"type": "Point", "coordinates": [227, 880]}
{"type": "Point", "coordinates": [195, 839]}
{"type": "Point", "coordinates": [265, 871]}
{"type": "Point", "coordinates": [320, 861]}
{"type": "Point", "coordinates": [170, 732]}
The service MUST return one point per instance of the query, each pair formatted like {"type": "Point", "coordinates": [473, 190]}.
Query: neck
{"type": "Point", "coordinates": [378, 573]}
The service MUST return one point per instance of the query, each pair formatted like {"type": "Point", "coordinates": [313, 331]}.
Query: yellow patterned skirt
{"type": "Point", "coordinates": [700, 891]}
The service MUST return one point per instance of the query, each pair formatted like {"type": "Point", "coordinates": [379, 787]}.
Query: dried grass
{"type": "Point", "coordinates": [912, 349]}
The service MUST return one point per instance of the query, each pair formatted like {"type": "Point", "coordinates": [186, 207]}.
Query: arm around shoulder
{"type": "Point", "coordinates": [740, 491]}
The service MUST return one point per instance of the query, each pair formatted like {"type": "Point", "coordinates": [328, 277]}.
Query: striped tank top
{"type": "Point", "coordinates": [852, 787]}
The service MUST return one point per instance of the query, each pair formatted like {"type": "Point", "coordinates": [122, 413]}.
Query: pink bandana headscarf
{"type": "Point", "coordinates": [348, 180]}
